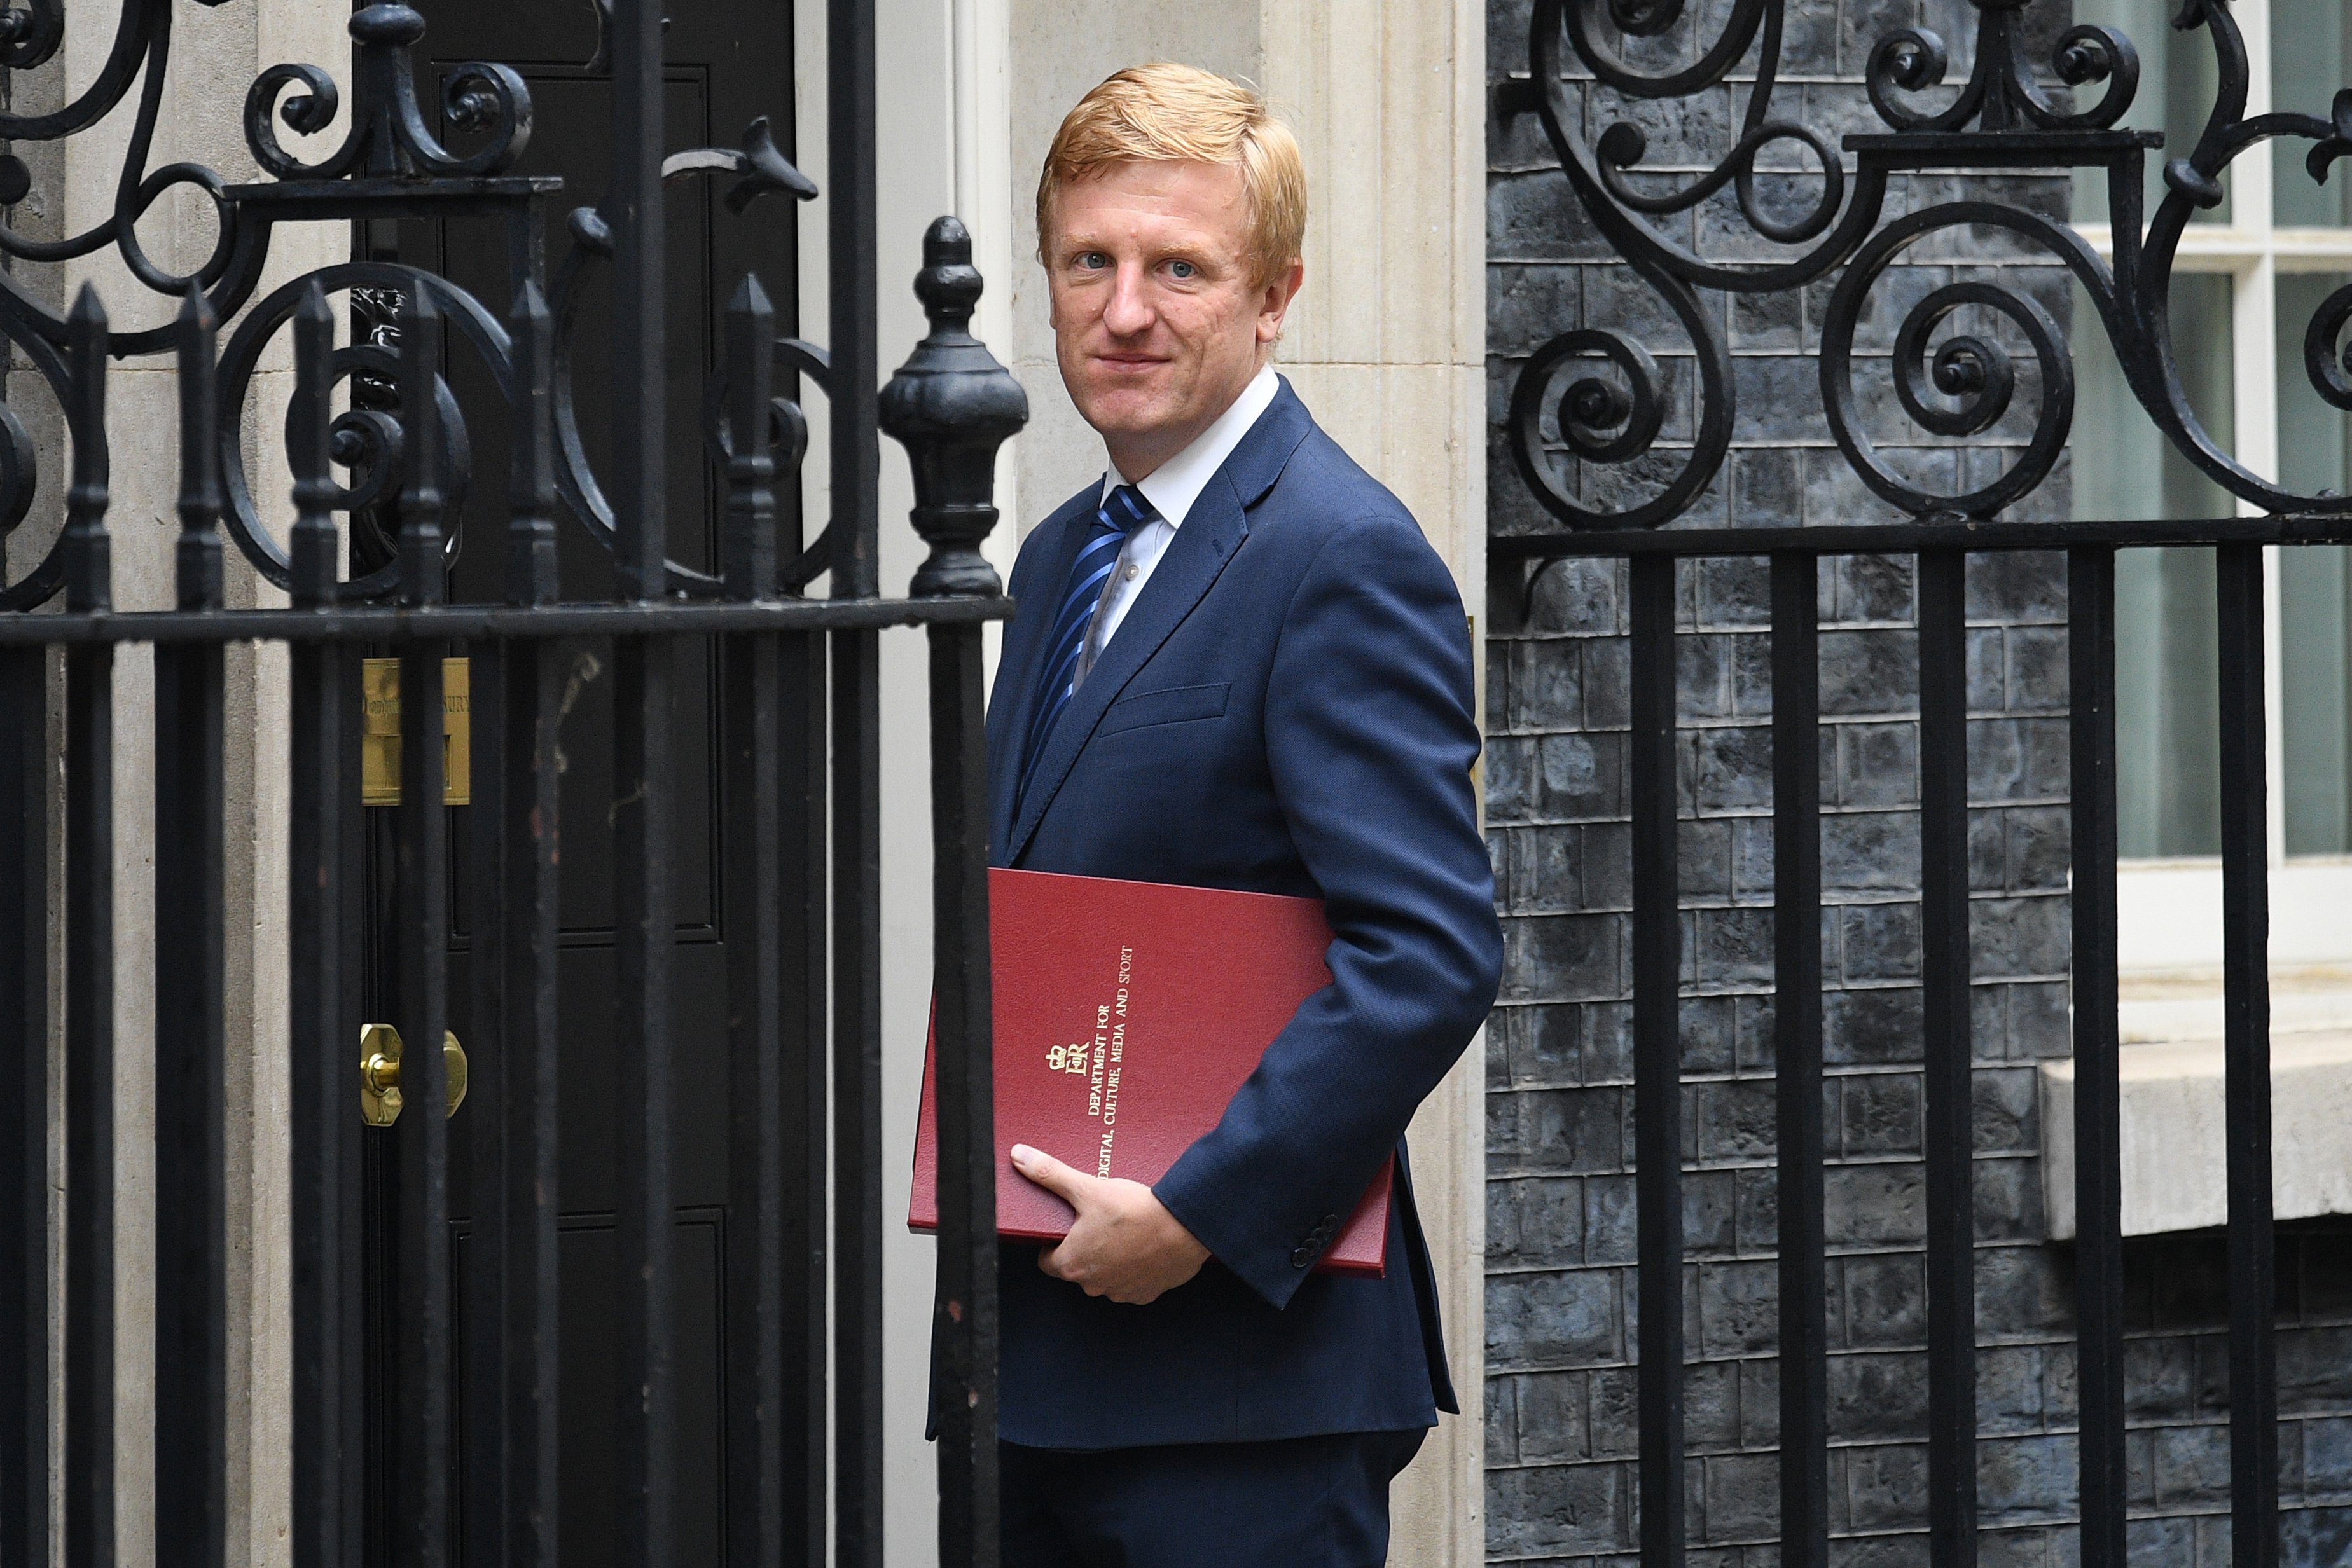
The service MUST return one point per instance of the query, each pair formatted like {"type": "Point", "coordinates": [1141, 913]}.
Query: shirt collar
{"type": "Point", "coordinates": [1175, 484]}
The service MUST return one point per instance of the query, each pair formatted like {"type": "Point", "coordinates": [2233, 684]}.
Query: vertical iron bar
{"type": "Point", "coordinates": [1944, 944]}
{"type": "Point", "coordinates": [2098, 1159]}
{"type": "Point", "coordinates": [366, 1233]}
{"type": "Point", "coordinates": [191, 1038]}
{"type": "Point", "coordinates": [858, 1097]}
{"type": "Point", "coordinates": [25, 1406]}
{"type": "Point", "coordinates": [477, 1012]}
{"type": "Point", "coordinates": [1797, 1041]}
{"type": "Point", "coordinates": [525, 872]}
{"type": "Point", "coordinates": [855, 386]}
{"type": "Point", "coordinates": [759, 1432]}
{"type": "Point", "coordinates": [964, 1315]}
{"type": "Point", "coordinates": [642, 918]}
{"type": "Point", "coordinates": [422, 1306]}
{"type": "Point", "coordinates": [2246, 1025]}
{"type": "Point", "coordinates": [756, 1417]}
{"type": "Point", "coordinates": [950, 405]}
{"type": "Point", "coordinates": [805, 953]}
{"type": "Point", "coordinates": [641, 808]}
{"type": "Point", "coordinates": [494, 1485]}
{"type": "Point", "coordinates": [639, 336]}
{"type": "Point", "coordinates": [320, 1083]}
{"type": "Point", "coordinates": [90, 966]}
{"type": "Point", "coordinates": [857, 870]}
{"type": "Point", "coordinates": [1657, 1061]}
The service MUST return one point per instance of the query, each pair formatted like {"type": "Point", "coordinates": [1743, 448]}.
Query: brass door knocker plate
{"type": "Point", "coordinates": [379, 1098]}
{"type": "Point", "coordinates": [379, 732]}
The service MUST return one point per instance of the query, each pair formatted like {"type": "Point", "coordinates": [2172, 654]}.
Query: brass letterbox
{"type": "Point", "coordinates": [380, 733]}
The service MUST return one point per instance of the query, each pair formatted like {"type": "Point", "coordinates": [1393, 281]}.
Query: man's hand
{"type": "Point", "coordinates": [1123, 1244]}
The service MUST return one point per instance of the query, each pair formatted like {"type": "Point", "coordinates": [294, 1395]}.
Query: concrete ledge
{"type": "Point", "coordinates": [2187, 1004]}
{"type": "Point", "coordinates": [2174, 1151]}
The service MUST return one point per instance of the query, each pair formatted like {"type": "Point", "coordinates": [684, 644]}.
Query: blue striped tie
{"type": "Point", "coordinates": [1123, 511]}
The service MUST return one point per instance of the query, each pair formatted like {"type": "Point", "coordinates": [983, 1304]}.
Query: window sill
{"type": "Point", "coordinates": [2173, 1118]}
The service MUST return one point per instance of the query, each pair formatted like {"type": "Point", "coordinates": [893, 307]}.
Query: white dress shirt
{"type": "Point", "coordinates": [1172, 488]}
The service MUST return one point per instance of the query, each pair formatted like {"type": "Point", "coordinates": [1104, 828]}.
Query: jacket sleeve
{"type": "Point", "coordinates": [1370, 735]}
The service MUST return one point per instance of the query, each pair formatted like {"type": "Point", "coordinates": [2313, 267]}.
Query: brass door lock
{"type": "Point", "coordinates": [379, 1074]}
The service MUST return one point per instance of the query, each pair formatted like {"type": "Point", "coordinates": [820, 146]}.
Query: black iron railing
{"type": "Point", "coordinates": [793, 1419]}
{"type": "Point", "coordinates": [1584, 428]}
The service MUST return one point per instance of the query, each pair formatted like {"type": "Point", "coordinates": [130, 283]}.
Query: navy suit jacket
{"type": "Point", "coordinates": [1287, 708]}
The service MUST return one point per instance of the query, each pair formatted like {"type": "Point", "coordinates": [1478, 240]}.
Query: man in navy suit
{"type": "Point", "coordinates": [1237, 663]}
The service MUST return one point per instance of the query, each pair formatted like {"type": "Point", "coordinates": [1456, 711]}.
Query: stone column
{"type": "Point", "coordinates": [215, 54]}
{"type": "Point", "coordinates": [1386, 345]}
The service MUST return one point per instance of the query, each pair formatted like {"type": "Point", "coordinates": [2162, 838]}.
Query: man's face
{"type": "Point", "coordinates": [1158, 318]}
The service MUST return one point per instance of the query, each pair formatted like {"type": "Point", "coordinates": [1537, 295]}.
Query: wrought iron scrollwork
{"type": "Point", "coordinates": [1587, 415]}
{"type": "Point", "coordinates": [2001, 93]}
{"type": "Point", "coordinates": [369, 440]}
{"type": "Point", "coordinates": [388, 134]}
{"type": "Point", "coordinates": [1972, 370]}
{"type": "Point", "coordinates": [392, 162]}
{"type": "Point", "coordinates": [760, 169]}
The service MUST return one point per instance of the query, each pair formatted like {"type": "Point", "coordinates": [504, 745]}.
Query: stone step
{"type": "Point", "coordinates": [2154, 1008]}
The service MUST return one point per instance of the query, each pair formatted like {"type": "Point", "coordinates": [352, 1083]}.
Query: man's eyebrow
{"type": "Point", "coordinates": [1190, 248]}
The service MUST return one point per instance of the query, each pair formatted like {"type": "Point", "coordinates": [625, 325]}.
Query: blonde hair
{"type": "Point", "coordinates": [1174, 113]}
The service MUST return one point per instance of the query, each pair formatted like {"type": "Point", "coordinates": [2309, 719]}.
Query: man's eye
{"type": "Point", "coordinates": [1093, 260]}
{"type": "Point", "coordinates": [1183, 269]}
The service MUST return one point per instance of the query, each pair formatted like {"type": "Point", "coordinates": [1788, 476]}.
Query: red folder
{"type": "Point", "coordinates": [1127, 1014]}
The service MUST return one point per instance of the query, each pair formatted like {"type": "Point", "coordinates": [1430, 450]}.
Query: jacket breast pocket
{"type": "Point", "coordinates": [1170, 705]}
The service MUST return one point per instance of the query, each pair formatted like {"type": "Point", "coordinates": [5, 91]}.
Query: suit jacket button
{"type": "Point", "coordinates": [1301, 1256]}
{"type": "Point", "coordinates": [1329, 1227]}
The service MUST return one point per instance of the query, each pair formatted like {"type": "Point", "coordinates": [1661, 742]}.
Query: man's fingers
{"type": "Point", "coordinates": [1051, 1265]}
{"type": "Point", "coordinates": [1051, 1173]}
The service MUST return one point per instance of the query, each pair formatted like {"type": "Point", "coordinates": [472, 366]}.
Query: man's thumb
{"type": "Point", "coordinates": [1049, 1173]}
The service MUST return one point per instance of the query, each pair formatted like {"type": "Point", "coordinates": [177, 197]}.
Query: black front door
{"type": "Point", "coordinates": [728, 61]}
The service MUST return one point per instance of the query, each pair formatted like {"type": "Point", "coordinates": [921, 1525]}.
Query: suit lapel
{"type": "Point", "coordinates": [1195, 556]}
{"type": "Point", "coordinates": [1211, 535]}
{"type": "Point", "coordinates": [1016, 670]}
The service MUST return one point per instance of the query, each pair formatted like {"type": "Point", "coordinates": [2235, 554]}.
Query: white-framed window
{"type": "Point", "coordinates": [2252, 274]}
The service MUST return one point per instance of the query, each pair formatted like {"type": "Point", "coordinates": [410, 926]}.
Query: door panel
{"type": "Point", "coordinates": [713, 90]}
{"type": "Point", "coordinates": [584, 1272]}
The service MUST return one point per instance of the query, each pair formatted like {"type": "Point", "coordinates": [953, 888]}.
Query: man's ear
{"type": "Point", "coordinates": [1273, 306]}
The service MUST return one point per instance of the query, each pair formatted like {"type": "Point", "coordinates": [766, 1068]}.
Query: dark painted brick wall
{"type": "Point", "coordinates": [1559, 1299]}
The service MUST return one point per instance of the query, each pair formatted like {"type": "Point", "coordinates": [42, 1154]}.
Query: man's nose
{"type": "Point", "coordinates": [1129, 309]}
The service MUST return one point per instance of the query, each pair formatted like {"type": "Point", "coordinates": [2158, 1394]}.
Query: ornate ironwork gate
{"type": "Point", "coordinates": [1588, 429]}
{"type": "Point", "coordinates": [789, 1424]}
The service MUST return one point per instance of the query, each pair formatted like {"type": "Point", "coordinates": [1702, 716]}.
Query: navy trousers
{"type": "Point", "coordinates": [1300, 1502]}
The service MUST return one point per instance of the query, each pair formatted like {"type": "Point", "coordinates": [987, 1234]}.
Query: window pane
{"type": "Point", "coordinates": [2178, 82]}
{"type": "Point", "coordinates": [2314, 597]}
{"type": "Point", "coordinates": [2167, 688]}
{"type": "Point", "coordinates": [2307, 60]}
{"type": "Point", "coordinates": [2167, 740]}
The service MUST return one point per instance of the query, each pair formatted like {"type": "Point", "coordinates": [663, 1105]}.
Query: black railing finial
{"type": "Point", "coordinates": [748, 544]}
{"type": "Point", "coordinates": [199, 552]}
{"type": "Point", "coordinates": [951, 405]}
{"type": "Point", "coordinates": [531, 577]}
{"type": "Point", "coordinates": [314, 545]}
{"type": "Point", "coordinates": [423, 570]}
{"type": "Point", "coordinates": [89, 570]}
